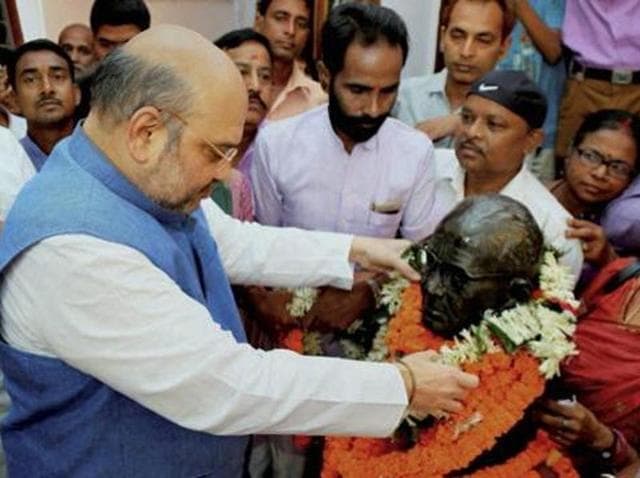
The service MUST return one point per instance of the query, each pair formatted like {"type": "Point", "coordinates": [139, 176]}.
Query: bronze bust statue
{"type": "Point", "coordinates": [484, 255]}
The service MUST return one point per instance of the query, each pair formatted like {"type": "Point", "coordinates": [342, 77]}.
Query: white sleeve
{"type": "Point", "coordinates": [106, 310]}
{"type": "Point", "coordinates": [279, 257]}
{"type": "Point", "coordinates": [15, 170]}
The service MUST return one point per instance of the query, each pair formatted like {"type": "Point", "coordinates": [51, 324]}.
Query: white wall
{"type": "Point", "coordinates": [421, 17]}
{"type": "Point", "coordinates": [46, 18]}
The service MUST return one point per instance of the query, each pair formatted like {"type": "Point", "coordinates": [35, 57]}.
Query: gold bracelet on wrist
{"type": "Point", "coordinates": [412, 379]}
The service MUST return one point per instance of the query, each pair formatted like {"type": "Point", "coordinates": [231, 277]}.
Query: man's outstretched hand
{"type": "Point", "coordinates": [439, 389]}
{"type": "Point", "coordinates": [382, 255]}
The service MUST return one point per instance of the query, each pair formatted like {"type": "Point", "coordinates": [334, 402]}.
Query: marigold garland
{"type": "Point", "coordinates": [508, 385]}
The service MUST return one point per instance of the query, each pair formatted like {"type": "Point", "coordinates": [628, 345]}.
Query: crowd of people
{"type": "Point", "coordinates": [159, 192]}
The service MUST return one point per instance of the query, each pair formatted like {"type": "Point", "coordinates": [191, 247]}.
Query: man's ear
{"type": "Point", "coordinates": [520, 290]}
{"type": "Point", "coordinates": [146, 135]}
{"type": "Point", "coordinates": [323, 75]}
{"type": "Point", "coordinates": [77, 95]}
{"type": "Point", "coordinates": [443, 30]}
{"type": "Point", "coordinates": [534, 139]}
{"type": "Point", "coordinates": [258, 22]}
{"type": "Point", "coordinates": [504, 47]}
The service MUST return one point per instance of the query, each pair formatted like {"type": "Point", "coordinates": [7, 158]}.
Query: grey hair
{"type": "Point", "coordinates": [124, 83]}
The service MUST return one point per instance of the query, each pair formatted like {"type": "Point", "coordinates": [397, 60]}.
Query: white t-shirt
{"type": "Point", "coordinates": [15, 170]}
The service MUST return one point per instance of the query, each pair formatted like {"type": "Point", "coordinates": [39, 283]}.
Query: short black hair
{"type": "Point", "coordinates": [119, 12]}
{"type": "Point", "coordinates": [366, 24]}
{"type": "Point", "coordinates": [235, 38]}
{"type": "Point", "coordinates": [5, 55]}
{"type": "Point", "coordinates": [41, 44]}
{"type": "Point", "coordinates": [263, 6]}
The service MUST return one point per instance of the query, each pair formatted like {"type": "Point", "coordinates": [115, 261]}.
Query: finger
{"type": "Point", "coordinates": [406, 270]}
{"type": "Point", "coordinates": [573, 222]}
{"type": "Point", "coordinates": [566, 411]}
{"type": "Point", "coordinates": [561, 441]}
{"type": "Point", "coordinates": [553, 421]}
{"type": "Point", "coordinates": [451, 406]}
{"type": "Point", "coordinates": [467, 380]}
{"type": "Point", "coordinates": [584, 233]}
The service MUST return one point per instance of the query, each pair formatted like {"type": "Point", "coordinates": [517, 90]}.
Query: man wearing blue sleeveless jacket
{"type": "Point", "coordinates": [122, 348]}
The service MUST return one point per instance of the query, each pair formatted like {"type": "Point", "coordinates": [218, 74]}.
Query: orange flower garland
{"type": "Point", "coordinates": [541, 451]}
{"type": "Point", "coordinates": [508, 385]}
{"type": "Point", "coordinates": [293, 340]}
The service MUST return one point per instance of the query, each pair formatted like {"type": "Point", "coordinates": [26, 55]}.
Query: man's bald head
{"type": "Point", "coordinates": [173, 68]}
{"type": "Point", "coordinates": [168, 110]}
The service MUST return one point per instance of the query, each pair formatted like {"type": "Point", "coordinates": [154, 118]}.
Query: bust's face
{"type": "Point", "coordinates": [482, 256]}
{"type": "Point", "coordinates": [456, 293]}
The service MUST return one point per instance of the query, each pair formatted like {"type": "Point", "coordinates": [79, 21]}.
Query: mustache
{"type": "Point", "coordinates": [256, 96]}
{"type": "Point", "coordinates": [368, 121]}
{"type": "Point", "coordinates": [49, 99]}
{"type": "Point", "coordinates": [471, 145]}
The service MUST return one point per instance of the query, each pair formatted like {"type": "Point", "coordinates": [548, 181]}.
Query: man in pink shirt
{"type": "Point", "coordinates": [251, 53]}
{"type": "Point", "coordinates": [347, 167]}
{"type": "Point", "coordinates": [286, 24]}
{"type": "Point", "coordinates": [604, 71]}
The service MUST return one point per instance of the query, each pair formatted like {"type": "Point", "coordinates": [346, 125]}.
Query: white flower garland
{"type": "Point", "coordinates": [302, 299]}
{"type": "Point", "coordinates": [545, 332]}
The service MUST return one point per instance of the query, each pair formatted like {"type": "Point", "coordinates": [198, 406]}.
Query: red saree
{"type": "Point", "coordinates": [606, 373]}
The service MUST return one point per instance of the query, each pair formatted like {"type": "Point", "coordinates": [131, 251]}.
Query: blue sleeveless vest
{"type": "Point", "coordinates": [62, 422]}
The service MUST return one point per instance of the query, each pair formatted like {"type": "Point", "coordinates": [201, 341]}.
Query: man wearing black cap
{"type": "Point", "coordinates": [501, 121]}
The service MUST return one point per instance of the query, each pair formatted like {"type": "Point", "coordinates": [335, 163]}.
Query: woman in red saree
{"type": "Point", "coordinates": [605, 376]}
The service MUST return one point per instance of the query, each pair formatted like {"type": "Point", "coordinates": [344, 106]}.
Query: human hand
{"type": "Point", "coordinates": [439, 389]}
{"type": "Point", "coordinates": [574, 424]}
{"type": "Point", "coordinates": [269, 307]}
{"type": "Point", "coordinates": [595, 246]}
{"type": "Point", "coordinates": [440, 127]}
{"type": "Point", "coordinates": [336, 309]}
{"type": "Point", "coordinates": [382, 255]}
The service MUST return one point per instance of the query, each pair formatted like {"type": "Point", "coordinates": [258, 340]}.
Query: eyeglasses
{"type": "Point", "coordinates": [459, 276]}
{"type": "Point", "coordinates": [227, 155]}
{"type": "Point", "coordinates": [615, 167]}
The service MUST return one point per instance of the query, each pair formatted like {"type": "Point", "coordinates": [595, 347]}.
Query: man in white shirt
{"type": "Point", "coordinates": [501, 123]}
{"type": "Point", "coordinates": [15, 170]}
{"type": "Point", "coordinates": [110, 289]}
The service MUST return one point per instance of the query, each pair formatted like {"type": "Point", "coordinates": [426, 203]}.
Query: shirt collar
{"type": "Point", "coordinates": [297, 80]}
{"type": "Point", "coordinates": [437, 82]}
{"type": "Point", "coordinates": [455, 174]}
{"type": "Point", "coordinates": [36, 155]}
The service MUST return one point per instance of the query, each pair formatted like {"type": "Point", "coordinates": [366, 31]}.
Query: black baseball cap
{"type": "Point", "coordinates": [516, 92]}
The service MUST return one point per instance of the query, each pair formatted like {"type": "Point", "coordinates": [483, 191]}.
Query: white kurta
{"type": "Point", "coordinates": [15, 170]}
{"type": "Point", "coordinates": [106, 310]}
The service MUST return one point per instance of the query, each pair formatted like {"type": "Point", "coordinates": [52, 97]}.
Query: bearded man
{"type": "Point", "coordinates": [347, 167]}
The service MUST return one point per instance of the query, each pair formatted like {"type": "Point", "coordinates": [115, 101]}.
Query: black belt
{"type": "Point", "coordinates": [616, 77]}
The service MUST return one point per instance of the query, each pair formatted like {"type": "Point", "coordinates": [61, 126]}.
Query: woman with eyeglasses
{"type": "Point", "coordinates": [602, 163]}
{"type": "Point", "coordinates": [602, 427]}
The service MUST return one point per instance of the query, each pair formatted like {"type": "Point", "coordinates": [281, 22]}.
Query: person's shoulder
{"type": "Point", "coordinates": [287, 126]}
{"type": "Point", "coordinates": [404, 137]}
{"type": "Point", "coordinates": [416, 82]}
{"type": "Point", "coordinates": [540, 201]}
{"type": "Point", "coordinates": [423, 83]}
{"type": "Point", "coordinates": [7, 138]}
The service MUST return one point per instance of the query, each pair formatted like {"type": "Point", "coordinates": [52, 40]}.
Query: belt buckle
{"type": "Point", "coordinates": [621, 77]}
